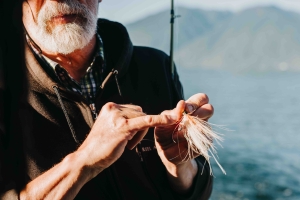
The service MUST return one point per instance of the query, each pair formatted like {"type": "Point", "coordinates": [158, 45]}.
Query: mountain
{"type": "Point", "coordinates": [254, 40]}
{"type": "Point", "coordinates": [155, 30]}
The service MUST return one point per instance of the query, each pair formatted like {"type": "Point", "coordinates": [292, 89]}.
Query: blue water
{"type": "Point", "coordinates": [261, 152]}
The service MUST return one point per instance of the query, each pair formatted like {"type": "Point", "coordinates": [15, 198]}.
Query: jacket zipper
{"type": "Point", "coordinates": [94, 110]}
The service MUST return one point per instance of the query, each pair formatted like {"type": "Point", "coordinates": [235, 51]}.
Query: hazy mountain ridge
{"type": "Point", "coordinates": [155, 30]}
{"type": "Point", "coordinates": [257, 39]}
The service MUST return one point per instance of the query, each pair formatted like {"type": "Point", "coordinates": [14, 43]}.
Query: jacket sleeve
{"type": "Point", "coordinates": [7, 186]}
{"type": "Point", "coordinates": [202, 186]}
{"type": "Point", "coordinates": [7, 190]}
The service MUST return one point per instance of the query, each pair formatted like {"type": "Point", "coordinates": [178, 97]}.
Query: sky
{"type": "Point", "coordinates": [126, 11]}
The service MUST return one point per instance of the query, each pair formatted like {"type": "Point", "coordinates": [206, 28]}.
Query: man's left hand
{"type": "Point", "coordinates": [172, 146]}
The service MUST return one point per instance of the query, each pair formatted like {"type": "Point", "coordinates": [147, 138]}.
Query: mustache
{"type": "Point", "coordinates": [67, 7]}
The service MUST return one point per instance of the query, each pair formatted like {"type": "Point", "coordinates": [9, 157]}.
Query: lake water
{"type": "Point", "coordinates": [261, 153]}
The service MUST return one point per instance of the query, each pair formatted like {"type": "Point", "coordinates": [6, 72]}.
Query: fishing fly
{"type": "Point", "coordinates": [200, 137]}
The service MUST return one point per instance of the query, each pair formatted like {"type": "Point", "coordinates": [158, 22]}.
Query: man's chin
{"type": "Point", "coordinates": [66, 38]}
{"type": "Point", "coordinates": [64, 43]}
{"type": "Point", "coordinates": [65, 49]}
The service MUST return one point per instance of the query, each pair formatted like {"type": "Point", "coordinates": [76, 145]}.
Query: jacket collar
{"type": "Point", "coordinates": [117, 45]}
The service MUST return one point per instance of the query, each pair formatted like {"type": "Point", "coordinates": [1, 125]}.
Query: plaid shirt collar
{"type": "Point", "coordinates": [90, 83]}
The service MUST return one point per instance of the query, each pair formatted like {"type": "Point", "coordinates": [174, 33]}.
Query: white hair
{"type": "Point", "coordinates": [66, 38]}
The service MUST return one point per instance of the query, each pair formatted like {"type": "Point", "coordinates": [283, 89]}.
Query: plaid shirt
{"type": "Point", "coordinates": [89, 83]}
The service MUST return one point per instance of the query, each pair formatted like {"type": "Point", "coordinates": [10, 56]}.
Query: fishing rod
{"type": "Point", "coordinates": [173, 17]}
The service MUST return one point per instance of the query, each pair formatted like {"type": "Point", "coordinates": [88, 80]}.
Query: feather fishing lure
{"type": "Point", "coordinates": [200, 136]}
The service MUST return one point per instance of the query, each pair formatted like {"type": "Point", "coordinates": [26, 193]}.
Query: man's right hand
{"type": "Point", "coordinates": [115, 126]}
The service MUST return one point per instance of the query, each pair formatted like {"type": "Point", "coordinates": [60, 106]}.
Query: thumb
{"type": "Point", "coordinates": [178, 110]}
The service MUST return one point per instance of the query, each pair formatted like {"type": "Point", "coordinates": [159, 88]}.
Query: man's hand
{"type": "Point", "coordinates": [116, 127]}
{"type": "Point", "coordinates": [172, 146]}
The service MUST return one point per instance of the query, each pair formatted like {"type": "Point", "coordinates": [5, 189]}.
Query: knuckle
{"type": "Point", "coordinates": [134, 107]}
{"type": "Point", "coordinates": [149, 119]}
{"type": "Point", "coordinates": [203, 98]}
{"type": "Point", "coordinates": [198, 99]}
{"type": "Point", "coordinates": [109, 106]}
{"type": "Point", "coordinates": [139, 108]}
{"type": "Point", "coordinates": [211, 108]}
{"type": "Point", "coordinates": [123, 122]}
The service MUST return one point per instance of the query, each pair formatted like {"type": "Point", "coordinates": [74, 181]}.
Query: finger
{"type": "Point", "coordinates": [204, 112]}
{"type": "Point", "coordinates": [177, 110]}
{"type": "Point", "coordinates": [168, 138]}
{"type": "Point", "coordinates": [144, 122]}
{"type": "Point", "coordinates": [129, 113]}
{"type": "Point", "coordinates": [113, 106]}
{"type": "Point", "coordinates": [195, 102]}
{"type": "Point", "coordinates": [136, 139]}
{"type": "Point", "coordinates": [134, 107]}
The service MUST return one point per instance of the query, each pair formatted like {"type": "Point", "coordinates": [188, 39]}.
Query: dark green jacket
{"type": "Point", "coordinates": [40, 135]}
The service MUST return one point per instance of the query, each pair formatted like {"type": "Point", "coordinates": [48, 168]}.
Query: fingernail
{"type": "Point", "coordinates": [190, 108]}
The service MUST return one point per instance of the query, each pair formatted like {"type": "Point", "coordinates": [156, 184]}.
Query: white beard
{"type": "Point", "coordinates": [66, 38]}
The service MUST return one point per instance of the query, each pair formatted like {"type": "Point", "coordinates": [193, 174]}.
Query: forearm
{"type": "Point", "coordinates": [63, 181]}
{"type": "Point", "coordinates": [181, 176]}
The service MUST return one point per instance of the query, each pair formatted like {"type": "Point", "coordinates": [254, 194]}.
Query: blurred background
{"type": "Point", "coordinates": [245, 54]}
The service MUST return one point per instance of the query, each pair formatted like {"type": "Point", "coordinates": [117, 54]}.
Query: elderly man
{"type": "Point", "coordinates": [82, 131]}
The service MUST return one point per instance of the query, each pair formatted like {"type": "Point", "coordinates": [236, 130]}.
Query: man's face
{"type": "Point", "coordinates": [61, 26]}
